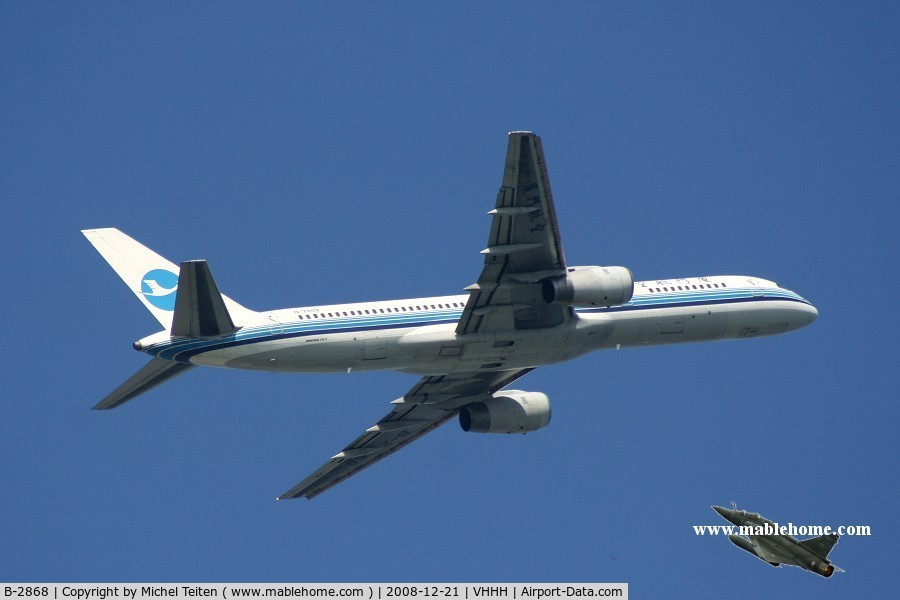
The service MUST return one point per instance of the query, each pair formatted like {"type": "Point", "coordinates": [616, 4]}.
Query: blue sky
{"type": "Point", "coordinates": [323, 154]}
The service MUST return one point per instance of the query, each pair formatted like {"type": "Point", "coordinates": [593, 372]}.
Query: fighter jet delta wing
{"type": "Point", "coordinates": [523, 249]}
{"type": "Point", "coordinates": [821, 545]}
{"type": "Point", "coordinates": [430, 403]}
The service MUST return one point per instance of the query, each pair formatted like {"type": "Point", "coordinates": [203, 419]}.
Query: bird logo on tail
{"type": "Point", "coordinates": [158, 288]}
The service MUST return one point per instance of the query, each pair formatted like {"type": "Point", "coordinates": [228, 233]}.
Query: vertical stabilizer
{"type": "Point", "coordinates": [149, 276]}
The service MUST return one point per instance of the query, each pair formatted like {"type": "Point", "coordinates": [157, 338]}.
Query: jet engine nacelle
{"type": "Point", "coordinates": [823, 568]}
{"type": "Point", "coordinates": [590, 286]}
{"type": "Point", "coordinates": [508, 411]}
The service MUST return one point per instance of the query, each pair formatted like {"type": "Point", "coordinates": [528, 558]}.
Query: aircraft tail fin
{"type": "Point", "coordinates": [821, 545]}
{"type": "Point", "coordinates": [150, 277]}
{"type": "Point", "coordinates": [152, 374]}
{"type": "Point", "coordinates": [200, 310]}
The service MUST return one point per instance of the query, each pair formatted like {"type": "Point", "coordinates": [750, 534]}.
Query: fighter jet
{"type": "Point", "coordinates": [777, 550]}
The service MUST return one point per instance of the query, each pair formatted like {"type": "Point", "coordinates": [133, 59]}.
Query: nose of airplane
{"type": "Point", "coordinates": [804, 314]}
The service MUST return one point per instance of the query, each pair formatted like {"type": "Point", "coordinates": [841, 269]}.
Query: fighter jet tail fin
{"type": "Point", "coordinates": [821, 545]}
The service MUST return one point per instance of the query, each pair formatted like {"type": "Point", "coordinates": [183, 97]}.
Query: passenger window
{"type": "Point", "coordinates": [723, 285]}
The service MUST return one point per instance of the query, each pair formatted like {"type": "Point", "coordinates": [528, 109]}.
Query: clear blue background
{"type": "Point", "coordinates": [321, 153]}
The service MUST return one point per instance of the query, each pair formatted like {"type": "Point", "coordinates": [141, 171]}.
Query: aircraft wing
{"type": "Point", "coordinates": [523, 249]}
{"type": "Point", "coordinates": [433, 401]}
{"type": "Point", "coordinates": [770, 551]}
{"type": "Point", "coordinates": [821, 545]}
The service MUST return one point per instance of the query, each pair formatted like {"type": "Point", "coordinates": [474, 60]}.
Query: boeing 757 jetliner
{"type": "Point", "coordinates": [527, 308]}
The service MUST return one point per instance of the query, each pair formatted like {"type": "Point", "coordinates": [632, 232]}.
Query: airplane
{"type": "Point", "coordinates": [777, 550]}
{"type": "Point", "coordinates": [528, 308]}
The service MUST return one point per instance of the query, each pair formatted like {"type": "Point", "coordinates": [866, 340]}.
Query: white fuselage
{"type": "Point", "coordinates": [418, 335]}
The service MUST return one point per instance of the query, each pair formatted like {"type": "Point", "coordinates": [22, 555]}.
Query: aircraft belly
{"type": "Point", "coordinates": [438, 351]}
{"type": "Point", "coordinates": [681, 324]}
{"type": "Point", "coordinates": [699, 323]}
{"type": "Point", "coordinates": [327, 353]}
{"type": "Point", "coordinates": [756, 319]}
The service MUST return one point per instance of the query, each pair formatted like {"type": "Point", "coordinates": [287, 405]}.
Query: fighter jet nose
{"type": "Point", "coordinates": [727, 514]}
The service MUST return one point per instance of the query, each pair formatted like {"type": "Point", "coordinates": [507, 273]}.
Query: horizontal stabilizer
{"type": "Point", "coordinates": [199, 308]}
{"type": "Point", "coordinates": [821, 545]}
{"type": "Point", "coordinates": [152, 374]}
